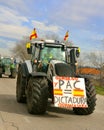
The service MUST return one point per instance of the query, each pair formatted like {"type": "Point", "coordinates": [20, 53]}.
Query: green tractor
{"type": "Point", "coordinates": [7, 67]}
{"type": "Point", "coordinates": [51, 74]}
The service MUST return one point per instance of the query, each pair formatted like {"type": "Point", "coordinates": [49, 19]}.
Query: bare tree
{"type": "Point", "coordinates": [97, 60]}
{"type": "Point", "coordinates": [20, 49]}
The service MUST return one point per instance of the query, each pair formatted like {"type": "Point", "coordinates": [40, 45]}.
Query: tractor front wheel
{"type": "Point", "coordinates": [37, 95]}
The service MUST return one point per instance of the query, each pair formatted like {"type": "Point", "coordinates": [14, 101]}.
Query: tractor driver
{"type": "Point", "coordinates": [46, 57]}
{"type": "Point", "coordinates": [45, 61]}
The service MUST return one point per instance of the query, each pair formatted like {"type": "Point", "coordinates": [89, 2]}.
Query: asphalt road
{"type": "Point", "coordinates": [14, 116]}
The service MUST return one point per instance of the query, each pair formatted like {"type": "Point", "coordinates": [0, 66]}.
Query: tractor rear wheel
{"type": "Point", "coordinates": [91, 100]}
{"type": "Point", "coordinates": [37, 95]}
{"type": "Point", "coordinates": [20, 87]}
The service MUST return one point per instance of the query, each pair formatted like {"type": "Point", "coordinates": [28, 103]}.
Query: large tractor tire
{"type": "Point", "coordinates": [37, 95]}
{"type": "Point", "coordinates": [91, 100]}
{"type": "Point", "coordinates": [20, 87]}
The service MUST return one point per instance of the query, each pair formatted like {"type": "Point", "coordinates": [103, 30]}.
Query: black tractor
{"type": "Point", "coordinates": [51, 74]}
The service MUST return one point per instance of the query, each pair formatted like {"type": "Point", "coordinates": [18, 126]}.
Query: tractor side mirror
{"type": "Point", "coordinates": [63, 48]}
{"type": "Point", "coordinates": [41, 46]}
{"type": "Point", "coordinates": [77, 52]}
{"type": "Point", "coordinates": [29, 48]}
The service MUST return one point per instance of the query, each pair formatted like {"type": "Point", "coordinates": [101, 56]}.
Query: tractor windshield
{"type": "Point", "coordinates": [49, 53]}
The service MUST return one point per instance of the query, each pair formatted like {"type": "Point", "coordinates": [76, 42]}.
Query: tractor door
{"type": "Point", "coordinates": [35, 57]}
{"type": "Point", "coordinates": [73, 60]}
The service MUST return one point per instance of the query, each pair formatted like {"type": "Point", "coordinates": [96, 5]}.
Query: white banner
{"type": "Point", "coordinates": [69, 92]}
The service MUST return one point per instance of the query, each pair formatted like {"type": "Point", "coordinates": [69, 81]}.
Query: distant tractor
{"type": "Point", "coordinates": [51, 74]}
{"type": "Point", "coordinates": [7, 67]}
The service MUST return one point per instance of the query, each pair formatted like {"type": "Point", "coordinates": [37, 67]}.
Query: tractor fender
{"type": "Point", "coordinates": [34, 74]}
{"type": "Point", "coordinates": [26, 68]}
{"type": "Point", "coordinates": [38, 74]}
{"type": "Point", "coordinates": [29, 66]}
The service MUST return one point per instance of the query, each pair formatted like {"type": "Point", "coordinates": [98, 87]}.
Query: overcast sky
{"type": "Point", "coordinates": [84, 19]}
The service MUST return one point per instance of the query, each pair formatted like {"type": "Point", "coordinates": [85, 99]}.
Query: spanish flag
{"type": "Point", "coordinates": [66, 36]}
{"type": "Point", "coordinates": [33, 34]}
{"type": "Point", "coordinates": [78, 92]}
{"type": "Point", "coordinates": [58, 92]}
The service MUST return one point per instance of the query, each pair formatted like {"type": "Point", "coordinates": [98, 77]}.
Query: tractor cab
{"type": "Point", "coordinates": [43, 52]}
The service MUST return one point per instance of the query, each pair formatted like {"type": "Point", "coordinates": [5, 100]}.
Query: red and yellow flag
{"type": "Point", "coordinates": [58, 92]}
{"type": "Point", "coordinates": [66, 36]}
{"type": "Point", "coordinates": [78, 92]}
{"type": "Point", "coordinates": [33, 34]}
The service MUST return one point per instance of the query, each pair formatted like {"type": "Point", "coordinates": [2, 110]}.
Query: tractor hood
{"type": "Point", "coordinates": [53, 62]}
{"type": "Point", "coordinates": [59, 68]}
